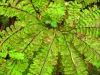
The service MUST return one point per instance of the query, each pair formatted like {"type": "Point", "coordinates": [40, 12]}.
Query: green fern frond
{"type": "Point", "coordinates": [85, 2]}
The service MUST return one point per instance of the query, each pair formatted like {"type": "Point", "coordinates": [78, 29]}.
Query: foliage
{"type": "Point", "coordinates": [85, 2]}
{"type": "Point", "coordinates": [49, 37]}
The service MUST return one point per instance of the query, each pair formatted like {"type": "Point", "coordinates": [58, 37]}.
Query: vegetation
{"type": "Point", "coordinates": [49, 37]}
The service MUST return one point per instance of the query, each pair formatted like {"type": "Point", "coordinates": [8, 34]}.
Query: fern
{"type": "Point", "coordinates": [85, 2]}
{"type": "Point", "coordinates": [49, 38]}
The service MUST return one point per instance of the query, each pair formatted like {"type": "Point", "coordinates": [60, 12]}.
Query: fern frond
{"type": "Point", "coordinates": [85, 2]}
{"type": "Point", "coordinates": [86, 22]}
{"type": "Point", "coordinates": [91, 54]}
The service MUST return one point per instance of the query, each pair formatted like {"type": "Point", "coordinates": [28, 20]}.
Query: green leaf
{"type": "Point", "coordinates": [3, 54]}
{"type": "Point", "coordinates": [17, 55]}
{"type": "Point", "coordinates": [54, 22]}
{"type": "Point", "coordinates": [48, 22]}
{"type": "Point", "coordinates": [0, 60]}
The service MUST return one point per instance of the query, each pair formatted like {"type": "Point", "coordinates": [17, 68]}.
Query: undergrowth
{"type": "Point", "coordinates": [50, 37]}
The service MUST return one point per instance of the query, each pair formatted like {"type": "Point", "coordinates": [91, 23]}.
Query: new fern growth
{"type": "Point", "coordinates": [49, 38]}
